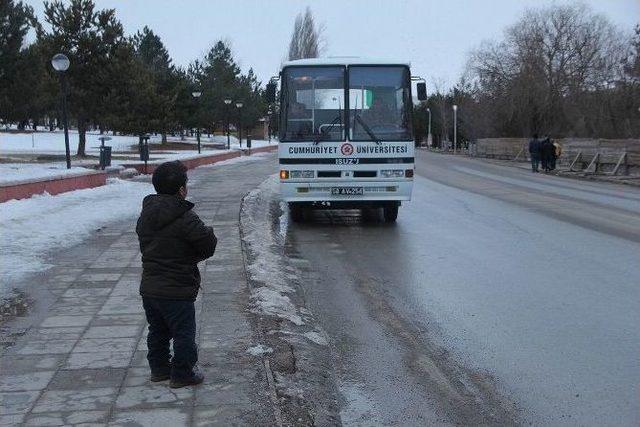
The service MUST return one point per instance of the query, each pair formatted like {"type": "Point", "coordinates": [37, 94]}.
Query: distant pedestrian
{"type": "Point", "coordinates": [534, 152]}
{"type": "Point", "coordinates": [557, 152]}
{"type": "Point", "coordinates": [173, 240]}
{"type": "Point", "coordinates": [548, 152]}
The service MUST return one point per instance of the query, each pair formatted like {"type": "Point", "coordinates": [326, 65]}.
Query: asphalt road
{"type": "Point", "coordinates": [499, 297]}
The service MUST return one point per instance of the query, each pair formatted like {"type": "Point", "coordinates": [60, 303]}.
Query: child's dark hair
{"type": "Point", "coordinates": [169, 177]}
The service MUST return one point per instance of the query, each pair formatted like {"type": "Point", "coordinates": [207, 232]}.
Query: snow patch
{"type": "Point", "coordinates": [259, 350]}
{"type": "Point", "coordinates": [30, 228]}
{"type": "Point", "coordinates": [274, 303]}
{"type": "Point", "coordinates": [316, 338]}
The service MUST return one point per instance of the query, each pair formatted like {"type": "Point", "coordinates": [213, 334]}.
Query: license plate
{"type": "Point", "coordinates": [347, 191]}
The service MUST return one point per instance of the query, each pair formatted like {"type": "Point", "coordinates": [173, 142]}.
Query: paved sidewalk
{"type": "Point", "coordinates": [79, 356]}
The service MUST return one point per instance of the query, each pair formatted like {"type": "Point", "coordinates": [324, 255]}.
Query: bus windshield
{"type": "Point", "coordinates": [312, 104]}
{"type": "Point", "coordinates": [379, 103]}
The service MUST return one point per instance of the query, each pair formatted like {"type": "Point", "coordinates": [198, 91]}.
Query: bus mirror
{"type": "Point", "coordinates": [271, 92]}
{"type": "Point", "coordinates": [422, 91]}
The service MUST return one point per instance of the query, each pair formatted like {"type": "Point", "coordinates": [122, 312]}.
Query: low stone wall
{"type": "Point", "coordinates": [194, 162]}
{"type": "Point", "coordinates": [265, 149]}
{"type": "Point", "coordinates": [609, 152]}
{"type": "Point", "coordinates": [51, 185]}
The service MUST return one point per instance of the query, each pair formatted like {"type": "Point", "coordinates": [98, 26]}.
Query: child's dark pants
{"type": "Point", "coordinates": [171, 319]}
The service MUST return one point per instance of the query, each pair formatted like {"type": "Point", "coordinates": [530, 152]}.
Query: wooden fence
{"type": "Point", "coordinates": [615, 156]}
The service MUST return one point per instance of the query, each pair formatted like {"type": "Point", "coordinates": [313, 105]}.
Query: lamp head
{"type": "Point", "coordinates": [239, 104]}
{"type": "Point", "coordinates": [60, 62]}
{"type": "Point", "coordinates": [196, 94]}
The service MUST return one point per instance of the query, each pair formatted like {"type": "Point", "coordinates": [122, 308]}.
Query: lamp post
{"type": "Point", "coordinates": [429, 131]}
{"type": "Point", "coordinates": [270, 115]}
{"type": "Point", "coordinates": [455, 128]}
{"type": "Point", "coordinates": [196, 95]}
{"type": "Point", "coordinates": [227, 102]}
{"type": "Point", "coordinates": [239, 105]}
{"type": "Point", "coordinates": [60, 63]}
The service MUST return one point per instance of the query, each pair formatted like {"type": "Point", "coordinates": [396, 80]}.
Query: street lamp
{"type": "Point", "coordinates": [455, 128]}
{"type": "Point", "coordinates": [429, 132]}
{"type": "Point", "coordinates": [227, 102]}
{"type": "Point", "coordinates": [270, 114]}
{"type": "Point", "coordinates": [60, 63]}
{"type": "Point", "coordinates": [196, 95]}
{"type": "Point", "coordinates": [239, 105]}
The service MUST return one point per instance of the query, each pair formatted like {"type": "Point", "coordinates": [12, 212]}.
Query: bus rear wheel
{"type": "Point", "coordinates": [390, 212]}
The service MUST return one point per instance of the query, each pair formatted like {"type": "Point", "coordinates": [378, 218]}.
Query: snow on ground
{"type": "Point", "coordinates": [17, 172]}
{"type": "Point", "coordinates": [53, 142]}
{"type": "Point", "coordinates": [32, 227]}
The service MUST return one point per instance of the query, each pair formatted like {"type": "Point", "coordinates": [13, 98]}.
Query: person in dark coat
{"type": "Point", "coordinates": [548, 151]}
{"type": "Point", "coordinates": [534, 152]}
{"type": "Point", "coordinates": [173, 240]}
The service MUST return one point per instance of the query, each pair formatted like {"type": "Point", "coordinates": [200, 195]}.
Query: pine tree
{"type": "Point", "coordinates": [16, 19]}
{"type": "Point", "coordinates": [91, 39]}
{"type": "Point", "coordinates": [155, 58]}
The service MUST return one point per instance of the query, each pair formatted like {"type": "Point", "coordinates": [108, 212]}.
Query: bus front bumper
{"type": "Point", "coordinates": [326, 191]}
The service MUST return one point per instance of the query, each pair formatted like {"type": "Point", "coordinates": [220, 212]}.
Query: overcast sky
{"type": "Point", "coordinates": [435, 35]}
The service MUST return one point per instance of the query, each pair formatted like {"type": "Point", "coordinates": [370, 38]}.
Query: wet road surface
{"type": "Point", "coordinates": [499, 297]}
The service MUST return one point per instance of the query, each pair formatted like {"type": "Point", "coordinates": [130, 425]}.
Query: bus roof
{"type": "Point", "coordinates": [344, 60]}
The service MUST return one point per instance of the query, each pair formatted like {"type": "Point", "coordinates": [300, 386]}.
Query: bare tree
{"type": "Point", "coordinates": [546, 71]}
{"type": "Point", "coordinates": [306, 40]}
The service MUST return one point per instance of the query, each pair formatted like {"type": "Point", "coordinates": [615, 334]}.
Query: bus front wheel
{"type": "Point", "coordinates": [390, 212]}
{"type": "Point", "coordinates": [296, 211]}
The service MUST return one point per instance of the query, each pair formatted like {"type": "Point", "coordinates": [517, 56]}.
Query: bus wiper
{"type": "Point", "coordinates": [328, 129]}
{"type": "Point", "coordinates": [368, 130]}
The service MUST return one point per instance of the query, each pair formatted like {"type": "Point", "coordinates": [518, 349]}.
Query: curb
{"type": "Point", "coordinates": [51, 185]}
{"type": "Point", "coordinates": [300, 372]}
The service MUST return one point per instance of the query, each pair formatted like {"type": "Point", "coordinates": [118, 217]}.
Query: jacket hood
{"type": "Point", "coordinates": [160, 210]}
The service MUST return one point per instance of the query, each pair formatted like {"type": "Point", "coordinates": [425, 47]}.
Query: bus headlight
{"type": "Point", "coordinates": [301, 174]}
{"type": "Point", "coordinates": [392, 173]}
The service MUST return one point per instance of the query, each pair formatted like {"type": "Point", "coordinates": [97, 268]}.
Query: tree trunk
{"type": "Point", "coordinates": [164, 138]}
{"type": "Point", "coordinates": [82, 137]}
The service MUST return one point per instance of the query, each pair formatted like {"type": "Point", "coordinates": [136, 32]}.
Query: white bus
{"type": "Point", "coordinates": [346, 137]}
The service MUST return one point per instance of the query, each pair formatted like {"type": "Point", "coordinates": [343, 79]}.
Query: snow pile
{"type": "Point", "coordinates": [265, 267]}
{"type": "Point", "coordinates": [30, 228]}
{"type": "Point", "coordinates": [18, 172]}
{"type": "Point", "coordinates": [259, 350]}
